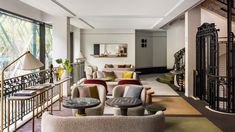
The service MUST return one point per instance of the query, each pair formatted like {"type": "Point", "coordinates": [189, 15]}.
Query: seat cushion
{"type": "Point", "coordinates": [133, 91]}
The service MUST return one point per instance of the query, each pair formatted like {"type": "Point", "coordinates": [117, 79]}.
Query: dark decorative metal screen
{"type": "Point", "coordinates": [212, 81]}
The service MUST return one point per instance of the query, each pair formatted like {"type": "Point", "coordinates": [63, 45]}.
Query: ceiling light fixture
{"type": "Point", "coordinates": [70, 12]}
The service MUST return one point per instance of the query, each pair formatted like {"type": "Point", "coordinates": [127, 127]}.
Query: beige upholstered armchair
{"type": "Point", "coordinates": [118, 91]}
{"type": "Point", "coordinates": [97, 110]}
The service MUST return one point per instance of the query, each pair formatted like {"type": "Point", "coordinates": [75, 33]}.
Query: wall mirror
{"type": "Point", "coordinates": [110, 50]}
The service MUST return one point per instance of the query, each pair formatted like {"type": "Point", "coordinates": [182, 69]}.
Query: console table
{"type": "Point", "coordinates": [41, 97]}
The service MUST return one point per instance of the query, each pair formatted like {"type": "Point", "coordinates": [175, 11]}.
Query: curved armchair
{"type": "Point", "coordinates": [97, 110]}
{"type": "Point", "coordinates": [96, 81]}
{"type": "Point", "coordinates": [118, 91]}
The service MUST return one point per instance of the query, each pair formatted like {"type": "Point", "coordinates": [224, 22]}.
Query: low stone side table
{"type": "Point", "coordinates": [153, 108]}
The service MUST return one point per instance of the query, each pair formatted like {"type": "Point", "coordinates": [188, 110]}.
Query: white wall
{"type": "Point", "coordinates": [220, 22]}
{"type": "Point", "coordinates": [76, 45]}
{"type": "Point", "coordinates": [90, 37]}
{"type": "Point", "coordinates": [60, 35]}
{"type": "Point", "coordinates": [154, 55]}
{"type": "Point", "coordinates": [192, 22]}
{"type": "Point", "coordinates": [159, 40]}
{"type": "Point", "coordinates": [175, 40]}
{"type": "Point", "coordinates": [20, 8]}
{"type": "Point", "coordinates": [144, 55]}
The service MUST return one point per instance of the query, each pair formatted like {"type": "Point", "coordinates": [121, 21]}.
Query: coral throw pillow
{"type": "Point", "coordinates": [127, 75]}
{"type": "Point", "coordinates": [121, 66]}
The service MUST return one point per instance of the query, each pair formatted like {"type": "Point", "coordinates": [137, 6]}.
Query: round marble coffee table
{"type": "Point", "coordinates": [81, 104]}
{"type": "Point", "coordinates": [124, 103]}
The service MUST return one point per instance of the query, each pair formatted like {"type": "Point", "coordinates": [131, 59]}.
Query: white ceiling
{"type": "Point", "coordinates": [122, 14]}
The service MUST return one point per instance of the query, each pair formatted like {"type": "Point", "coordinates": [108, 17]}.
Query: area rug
{"type": "Point", "coordinates": [190, 124]}
{"type": "Point", "coordinates": [175, 106]}
{"type": "Point", "coordinates": [158, 88]}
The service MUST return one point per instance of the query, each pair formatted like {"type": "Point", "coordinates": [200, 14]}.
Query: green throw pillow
{"type": "Point", "coordinates": [94, 93]}
{"type": "Point", "coordinates": [109, 75]}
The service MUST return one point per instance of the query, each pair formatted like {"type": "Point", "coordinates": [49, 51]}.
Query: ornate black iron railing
{"type": "Point", "coordinates": [220, 98]}
{"type": "Point", "coordinates": [12, 85]}
{"type": "Point", "coordinates": [215, 66]}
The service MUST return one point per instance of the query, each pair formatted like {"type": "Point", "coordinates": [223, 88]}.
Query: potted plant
{"type": "Point", "coordinates": [66, 68]}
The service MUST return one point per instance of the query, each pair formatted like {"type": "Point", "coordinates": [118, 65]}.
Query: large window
{"type": "Point", "coordinates": [48, 46]}
{"type": "Point", "coordinates": [17, 35]}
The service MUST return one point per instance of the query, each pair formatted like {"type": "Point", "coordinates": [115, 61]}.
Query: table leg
{"type": "Point", "coordinates": [47, 96]}
{"type": "Point", "coordinates": [37, 106]}
{"type": "Point", "coordinates": [52, 101]}
{"type": "Point", "coordinates": [59, 89]}
{"type": "Point", "coordinates": [123, 111]}
{"type": "Point", "coordinates": [81, 112]}
{"type": "Point", "coordinates": [43, 101]}
{"type": "Point", "coordinates": [33, 117]}
{"type": "Point", "coordinates": [8, 116]}
{"type": "Point", "coordinates": [15, 119]}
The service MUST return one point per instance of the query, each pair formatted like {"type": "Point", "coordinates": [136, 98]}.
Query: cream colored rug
{"type": "Point", "coordinates": [158, 88]}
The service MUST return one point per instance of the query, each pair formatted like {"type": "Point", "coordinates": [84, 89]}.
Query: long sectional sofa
{"type": "Point", "coordinates": [150, 123]}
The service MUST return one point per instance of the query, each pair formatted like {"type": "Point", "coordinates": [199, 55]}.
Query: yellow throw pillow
{"type": "Point", "coordinates": [127, 75]}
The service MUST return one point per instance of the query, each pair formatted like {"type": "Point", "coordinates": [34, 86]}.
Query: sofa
{"type": "Point", "coordinates": [118, 75]}
{"type": "Point", "coordinates": [89, 71]}
{"type": "Point", "coordinates": [118, 91]}
{"type": "Point", "coordinates": [120, 67]}
{"type": "Point", "coordinates": [150, 123]}
{"type": "Point", "coordinates": [97, 110]}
